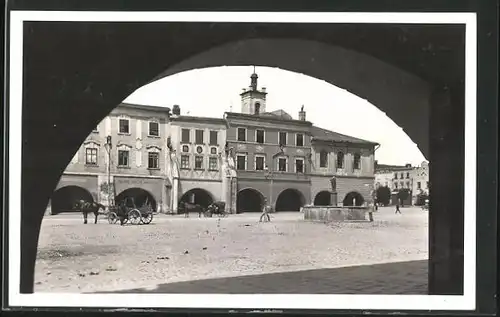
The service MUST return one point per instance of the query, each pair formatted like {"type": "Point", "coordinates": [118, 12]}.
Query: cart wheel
{"type": "Point", "coordinates": [112, 217]}
{"type": "Point", "coordinates": [146, 219]}
{"type": "Point", "coordinates": [134, 216]}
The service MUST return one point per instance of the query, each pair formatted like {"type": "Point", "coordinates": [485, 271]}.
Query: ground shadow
{"type": "Point", "coordinates": [391, 278]}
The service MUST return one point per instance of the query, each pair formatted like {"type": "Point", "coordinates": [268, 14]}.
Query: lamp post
{"type": "Point", "coordinates": [108, 147]}
{"type": "Point", "coordinates": [269, 175]}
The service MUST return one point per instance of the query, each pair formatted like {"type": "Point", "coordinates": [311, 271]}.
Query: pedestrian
{"type": "Point", "coordinates": [371, 208]}
{"type": "Point", "coordinates": [265, 212]}
{"type": "Point", "coordinates": [397, 207]}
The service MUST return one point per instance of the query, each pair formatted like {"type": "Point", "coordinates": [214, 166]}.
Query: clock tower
{"type": "Point", "coordinates": [253, 100]}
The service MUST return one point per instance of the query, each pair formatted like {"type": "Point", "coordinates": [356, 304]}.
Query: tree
{"type": "Point", "coordinates": [403, 195]}
{"type": "Point", "coordinates": [383, 195]}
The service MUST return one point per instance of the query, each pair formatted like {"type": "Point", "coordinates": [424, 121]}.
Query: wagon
{"type": "Point", "coordinates": [131, 213]}
{"type": "Point", "coordinates": [216, 208]}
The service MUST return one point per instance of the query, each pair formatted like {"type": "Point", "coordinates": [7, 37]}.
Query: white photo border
{"type": "Point", "coordinates": [237, 301]}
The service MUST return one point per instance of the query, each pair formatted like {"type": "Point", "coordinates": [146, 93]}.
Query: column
{"type": "Point", "coordinates": [175, 195]}
{"type": "Point", "coordinates": [164, 197]}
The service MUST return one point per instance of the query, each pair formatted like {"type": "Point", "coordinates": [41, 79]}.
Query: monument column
{"type": "Point", "coordinates": [333, 193]}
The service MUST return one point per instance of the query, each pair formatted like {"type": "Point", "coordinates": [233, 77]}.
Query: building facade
{"type": "Point", "coordinates": [162, 158]}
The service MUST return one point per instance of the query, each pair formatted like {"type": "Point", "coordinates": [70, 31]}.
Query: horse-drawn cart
{"type": "Point", "coordinates": [127, 211]}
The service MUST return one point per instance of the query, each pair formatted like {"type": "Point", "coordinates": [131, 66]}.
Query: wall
{"type": "Point", "coordinates": [213, 187]}
{"type": "Point", "coordinates": [278, 186]}
{"type": "Point", "coordinates": [366, 163]}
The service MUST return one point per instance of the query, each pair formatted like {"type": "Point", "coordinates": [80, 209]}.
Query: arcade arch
{"type": "Point", "coordinates": [323, 198]}
{"type": "Point", "coordinates": [290, 200]}
{"type": "Point", "coordinates": [249, 200]}
{"type": "Point", "coordinates": [197, 196]}
{"type": "Point", "coordinates": [353, 199]}
{"type": "Point", "coordinates": [64, 199]}
{"type": "Point", "coordinates": [140, 197]}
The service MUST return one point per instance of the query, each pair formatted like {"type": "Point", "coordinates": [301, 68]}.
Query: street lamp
{"type": "Point", "coordinates": [269, 175]}
{"type": "Point", "coordinates": [108, 146]}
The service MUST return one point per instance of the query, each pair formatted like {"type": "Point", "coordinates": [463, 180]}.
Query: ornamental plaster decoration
{"type": "Point", "coordinates": [300, 151]}
{"type": "Point", "coordinates": [259, 148]}
{"type": "Point", "coordinates": [138, 144]}
{"type": "Point", "coordinates": [241, 147]}
{"type": "Point", "coordinates": [153, 148]}
{"type": "Point", "coordinates": [138, 158]}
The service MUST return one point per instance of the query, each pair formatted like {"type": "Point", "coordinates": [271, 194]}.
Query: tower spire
{"type": "Point", "coordinates": [253, 78]}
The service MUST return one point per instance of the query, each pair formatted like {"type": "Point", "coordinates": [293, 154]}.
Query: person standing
{"type": "Point", "coordinates": [265, 212]}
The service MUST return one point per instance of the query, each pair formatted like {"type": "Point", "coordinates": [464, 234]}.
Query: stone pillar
{"type": "Point", "coordinates": [175, 195]}
{"type": "Point", "coordinates": [232, 194]}
{"type": "Point", "coordinates": [102, 196]}
{"type": "Point", "coordinates": [163, 207]}
{"type": "Point", "coordinates": [333, 198]}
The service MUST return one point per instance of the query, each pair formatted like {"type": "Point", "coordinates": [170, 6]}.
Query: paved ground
{"type": "Point", "coordinates": [235, 254]}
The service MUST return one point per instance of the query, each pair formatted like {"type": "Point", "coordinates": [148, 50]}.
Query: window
{"type": "Point", "coordinates": [357, 161]}
{"type": "Point", "coordinates": [213, 151]}
{"type": "Point", "coordinates": [185, 148]}
{"type": "Point", "coordinates": [396, 185]}
{"type": "Point", "coordinates": [153, 160]}
{"type": "Point", "coordinates": [299, 165]}
{"type": "Point", "coordinates": [123, 157]}
{"type": "Point", "coordinates": [340, 160]}
{"type": "Point", "coordinates": [198, 162]}
{"type": "Point", "coordinates": [395, 175]}
{"type": "Point", "coordinates": [212, 164]}
{"type": "Point", "coordinates": [299, 139]}
{"type": "Point", "coordinates": [213, 137]}
{"type": "Point", "coordinates": [241, 162]}
{"type": "Point", "coordinates": [257, 108]}
{"type": "Point", "coordinates": [259, 136]}
{"type": "Point", "coordinates": [185, 136]}
{"type": "Point", "coordinates": [323, 159]}
{"type": "Point", "coordinates": [154, 129]}
{"type": "Point", "coordinates": [199, 137]}
{"type": "Point", "coordinates": [91, 156]}
{"type": "Point", "coordinates": [402, 175]}
{"type": "Point", "coordinates": [259, 163]}
{"type": "Point", "coordinates": [124, 126]}
{"type": "Point", "coordinates": [419, 185]}
{"type": "Point", "coordinates": [282, 164]}
{"type": "Point", "coordinates": [242, 134]}
{"type": "Point", "coordinates": [407, 175]}
{"type": "Point", "coordinates": [282, 138]}
{"type": "Point", "coordinates": [184, 161]}
{"type": "Point", "coordinates": [95, 130]}
{"type": "Point", "coordinates": [199, 149]}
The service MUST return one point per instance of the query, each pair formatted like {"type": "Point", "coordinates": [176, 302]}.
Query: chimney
{"type": "Point", "coordinates": [263, 89]}
{"type": "Point", "coordinates": [302, 114]}
{"type": "Point", "coordinates": [176, 110]}
{"type": "Point", "coordinates": [407, 165]}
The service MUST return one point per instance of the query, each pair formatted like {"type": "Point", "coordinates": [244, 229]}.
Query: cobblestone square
{"type": "Point", "coordinates": [235, 254]}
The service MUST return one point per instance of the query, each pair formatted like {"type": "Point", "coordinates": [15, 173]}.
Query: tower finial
{"type": "Point", "coordinates": [253, 79]}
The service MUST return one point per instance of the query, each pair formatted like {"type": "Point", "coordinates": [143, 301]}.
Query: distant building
{"type": "Point", "coordinates": [161, 157]}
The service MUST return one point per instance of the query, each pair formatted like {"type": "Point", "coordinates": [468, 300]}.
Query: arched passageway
{"type": "Point", "coordinates": [249, 200]}
{"type": "Point", "coordinates": [64, 199]}
{"type": "Point", "coordinates": [140, 197]}
{"type": "Point", "coordinates": [197, 196]}
{"type": "Point", "coordinates": [290, 200]}
{"type": "Point", "coordinates": [323, 198]}
{"type": "Point", "coordinates": [353, 199]}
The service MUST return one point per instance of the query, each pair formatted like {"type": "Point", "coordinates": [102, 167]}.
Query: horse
{"type": "Point", "coordinates": [86, 207]}
{"type": "Point", "coordinates": [188, 207]}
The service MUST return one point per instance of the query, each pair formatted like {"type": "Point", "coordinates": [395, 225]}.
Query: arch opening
{"type": "Point", "coordinates": [197, 196]}
{"type": "Point", "coordinates": [137, 196]}
{"type": "Point", "coordinates": [353, 199]}
{"type": "Point", "coordinates": [63, 199]}
{"type": "Point", "coordinates": [290, 200]}
{"type": "Point", "coordinates": [249, 200]}
{"type": "Point", "coordinates": [323, 198]}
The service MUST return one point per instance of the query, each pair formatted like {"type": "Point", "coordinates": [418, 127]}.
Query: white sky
{"type": "Point", "coordinates": [212, 91]}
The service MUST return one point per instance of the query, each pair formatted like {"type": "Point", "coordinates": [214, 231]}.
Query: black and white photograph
{"type": "Point", "coordinates": [244, 160]}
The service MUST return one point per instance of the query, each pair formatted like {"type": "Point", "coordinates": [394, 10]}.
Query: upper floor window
{"type": "Point", "coordinates": [259, 163]}
{"type": "Point", "coordinates": [395, 175]}
{"type": "Point", "coordinates": [241, 162]}
{"type": "Point", "coordinates": [213, 137]}
{"type": "Point", "coordinates": [259, 136]}
{"type": "Point", "coordinates": [257, 108]}
{"type": "Point", "coordinates": [323, 159]}
{"type": "Point", "coordinates": [402, 175]}
{"type": "Point", "coordinates": [282, 138]}
{"type": "Point", "coordinates": [282, 164]}
{"type": "Point", "coordinates": [242, 134]}
{"type": "Point", "coordinates": [340, 160]}
{"type": "Point", "coordinates": [154, 129]}
{"type": "Point", "coordinates": [212, 164]}
{"type": "Point", "coordinates": [91, 156]}
{"type": "Point", "coordinates": [185, 148]}
{"type": "Point", "coordinates": [299, 165]}
{"type": "Point", "coordinates": [123, 158]}
{"type": "Point", "coordinates": [184, 161]}
{"type": "Point", "coordinates": [199, 137]}
{"type": "Point", "coordinates": [396, 185]}
{"type": "Point", "coordinates": [153, 160]}
{"type": "Point", "coordinates": [299, 139]}
{"type": "Point", "coordinates": [124, 126]}
{"type": "Point", "coordinates": [213, 150]}
{"type": "Point", "coordinates": [185, 136]}
{"type": "Point", "coordinates": [198, 162]}
{"type": "Point", "coordinates": [419, 185]}
{"type": "Point", "coordinates": [407, 174]}
{"type": "Point", "coordinates": [357, 161]}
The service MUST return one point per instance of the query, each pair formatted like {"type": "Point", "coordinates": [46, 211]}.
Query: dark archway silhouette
{"type": "Point", "coordinates": [64, 199]}
{"type": "Point", "coordinates": [141, 197]}
{"type": "Point", "coordinates": [249, 200]}
{"type": "Point", "coordinates": [323, 198]}
{"type": "Point", "coordinates": [197, 196]}
{"type": "Point", "coordinates": [353, 199]}
{"type": "Point", "coordinates": [290, 200]}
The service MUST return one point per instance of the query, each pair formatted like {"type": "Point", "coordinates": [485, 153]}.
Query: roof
{"type": "Point", "coordinates": [280, 113]}
{"type": "Point", "coordinates": [321, 134]}
{"type": "Point", "coordinates": [198, 119]}
{"type": "Point", "coordinates": [144, 107]}
{"type": "Point", "coordinates": [277, 116]}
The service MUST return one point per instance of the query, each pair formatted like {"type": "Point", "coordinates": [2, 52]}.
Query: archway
{"type": "Point", "coordinates": [249, 200]}
{"type": "Point", "coordinates": [197, 196]}
{"type": "Point", "coordinates": [353, 199]}
{"type": "Point", "coordinates": [63, 199]}
{"type": "Point", "coordinates": [323, 198]}
{"type": "Point", "coordinates": [140, 197]}
{"type": "Point", "coordinates": [290, 200]}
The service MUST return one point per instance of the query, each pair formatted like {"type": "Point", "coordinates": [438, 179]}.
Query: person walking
{"type": "Point", "coordinates": [265, 212]}
{"type": "Point", "coordinates": [397, 207]}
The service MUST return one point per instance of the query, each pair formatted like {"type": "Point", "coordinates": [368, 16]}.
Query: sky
{"type": "Point", "coordinates": [211, 91]}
